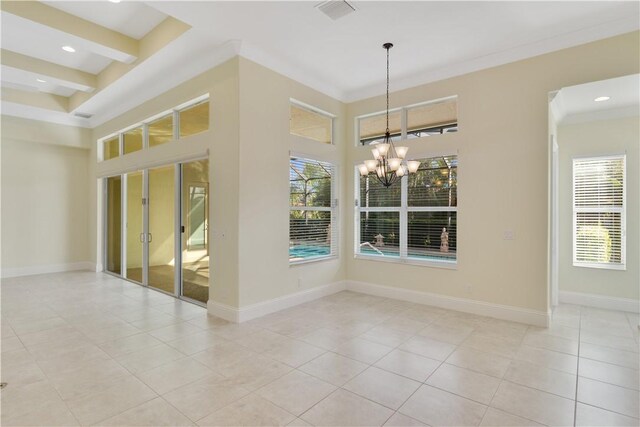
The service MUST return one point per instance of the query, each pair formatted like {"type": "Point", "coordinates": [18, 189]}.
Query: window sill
{"type": "Point", "coordinates": [600, 266]}
{"type": "Point", "coordinates": [447, 265]}
{"type": "Point", "coordinates": [312, 260]}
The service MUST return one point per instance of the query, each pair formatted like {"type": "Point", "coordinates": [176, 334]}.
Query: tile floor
{"type": "Point", "coordinates": [88, 349]}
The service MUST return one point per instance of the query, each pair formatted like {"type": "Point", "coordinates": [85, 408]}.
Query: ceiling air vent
{"type": "Point", "coordinates": [83, 115]}
{"type": "Point", "coordinates": [335, 9]}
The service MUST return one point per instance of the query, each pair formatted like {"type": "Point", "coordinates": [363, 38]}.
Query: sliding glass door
{"type": "Point", "coordinates": [135, 232]}
{"type": "Point", "coordinates": [195, 226]}
{"type": "Point", "coordinates": [156, 228]}
{"type": "Point", "coordinates": [113, 227]}
{"type": "Point", "coordinates": [161, 235]}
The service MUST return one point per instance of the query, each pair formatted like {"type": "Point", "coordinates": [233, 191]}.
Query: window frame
{"type": "Point", "coordinates": [608, 209]}
{"type": "Point", "coordinates": [333, 209]}
{"type": "Point", "coordinates": [404, 114]}
{"type": "Point", "coordinates": [318, 111]}
{"type": "Point", "coordinates": [144, 124]}
{"type": "Point", "coordinates": [403, 210]}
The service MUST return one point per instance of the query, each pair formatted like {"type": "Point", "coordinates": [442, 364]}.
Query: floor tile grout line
{"type": "Point", "coordinates": [360, 336]}
{"type": "Point", "coordinates": [50, 384]}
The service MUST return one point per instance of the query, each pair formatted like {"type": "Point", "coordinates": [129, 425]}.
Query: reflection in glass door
{"type": "Point", "coordinates": [195, 225]}
{"type": "Point", "coordinates": [134, 226]}
{"type": "Point", "coordinates": [113, 224]}
{"type": "Point", "coordinates": [156, 220]}
{"type": "Point", "coordinates": [161, 234]}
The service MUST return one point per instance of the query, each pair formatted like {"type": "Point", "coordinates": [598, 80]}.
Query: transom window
{"type": "Point", "coordinates": [417, 121]}
{"type": "Point", "coordinates": [310, 123]}
{"type": "Point", "coordinates": [599, 210]}
{"type": "Point", "coordinates": [187, 119]}
{"type": "Point", "coordinates": [411, 221]}
{"type": "Point", "coordinates": [312, 215]}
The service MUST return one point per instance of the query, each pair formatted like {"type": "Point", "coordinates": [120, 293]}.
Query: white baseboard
{"type": "Point", "coordinates": [504, 312]}
{"type": "Point", "coordinates": [45, 269]}
{"type": "Point", "coordinates": [600, 301]}
{"type": "Point", "coordinates": [242, 314]}
{"type": "Point", "coordinates": [223, 311]}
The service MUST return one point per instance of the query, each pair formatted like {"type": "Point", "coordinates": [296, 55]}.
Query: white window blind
{"type": "Point", "coordinates": [413, 220]}
{"type": "Point", "coordinates": [312, 214]}
{"type": "Point", "coordinates": [599, 212]}
{"type": "Point", "coordinates": [416, 121]}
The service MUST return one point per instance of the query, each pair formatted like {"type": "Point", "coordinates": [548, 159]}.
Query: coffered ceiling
{"type": "Point", "coordinates": [121, 47]}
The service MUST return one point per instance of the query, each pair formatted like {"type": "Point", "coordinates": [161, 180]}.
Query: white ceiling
{"type": "Point", "coordinates": [343, 58]}
{"type": "Point", "coordinates": [29, 82]}
{"type": "Point", "coordinates": [133, 18]}
{"type": "Point", "coordinates": [39, 41]}
{"type": "Point", "coordinates": [575, 104]}
{"type": "Point", "coordinates": [346, 55]}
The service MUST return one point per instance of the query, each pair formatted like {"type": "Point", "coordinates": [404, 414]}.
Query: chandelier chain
{"type": "Point", "coordinates": [388, 164]}
{"type": "Point", "coordinates": [388, 89]}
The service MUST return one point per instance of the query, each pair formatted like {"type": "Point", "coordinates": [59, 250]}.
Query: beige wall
{"type": "Point", "coordinates": [503, 175]}
{"type": "Point", "coordinates": [45, 178]}
{"type": "Point", "coordinates": [221, 141]}
{"type": "Point", "coordinates": [503, 172]}
{"type": "Point", "coordinates": [265, 145]}
{"type": "Point", "coordinates": [599, 138]}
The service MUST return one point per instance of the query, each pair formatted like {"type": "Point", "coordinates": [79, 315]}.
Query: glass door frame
{"type": "Point", "coordinates": [178, 223]}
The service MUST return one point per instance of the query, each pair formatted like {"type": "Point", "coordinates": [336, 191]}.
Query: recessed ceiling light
{"type": "Point", "coordinates": [114, 1]}
{"type": "Point", "coordinates": [602, 98]}
{"type": "Point", "coordinates": [41, 81]}
{"type": "Point", "coordinates": [68, 49]}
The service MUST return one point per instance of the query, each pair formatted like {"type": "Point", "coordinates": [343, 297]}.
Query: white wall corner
{"type": "Point", "coordinates": [600, 301]}
{"type": "Point", "coordinates": [504, 312]}
{"type": "Point", "coordinates": [46, 269]}
{"type": "Point", "coordinates": [249, 312]}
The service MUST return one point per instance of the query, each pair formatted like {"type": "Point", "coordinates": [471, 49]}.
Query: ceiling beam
{"type": "Point", "coordinates": [46, 101]}
{"type": "Point", "coordinates": [163, 34]}
{"type": "Point", "coordinates": [58, 74]}
{"type": "Point", "coordinates": [82, 33]}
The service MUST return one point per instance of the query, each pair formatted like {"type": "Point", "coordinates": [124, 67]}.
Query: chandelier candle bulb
{"type": "Point", "coordinates": [371, 165]}
{"type": "Point", "coordinates": [394, 164]}
{"type": "Point", "coordinates": [402, 151]}
{"type": "Point", "coordinates": [383, 149]}
{"type": "Point", "coordinates": [413, 166]}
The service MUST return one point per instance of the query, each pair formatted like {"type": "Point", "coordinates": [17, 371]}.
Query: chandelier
{"type": "Point", "coordinates": [388, 163]}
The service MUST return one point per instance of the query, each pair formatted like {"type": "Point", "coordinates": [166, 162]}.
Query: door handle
{"type": "Point", "coordinates": [141, 237]}
{"type": "Point", "coordinates": [150, 237]}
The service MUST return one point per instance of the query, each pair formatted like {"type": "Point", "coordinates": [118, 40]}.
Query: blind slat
{"type": "Point", "coordinates": [598, 196]}
{"type": "Point", "coordinates": [312, 216]}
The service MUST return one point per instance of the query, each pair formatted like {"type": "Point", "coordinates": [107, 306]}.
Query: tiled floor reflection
{"type": "Point", "coordinates": [88, 349]}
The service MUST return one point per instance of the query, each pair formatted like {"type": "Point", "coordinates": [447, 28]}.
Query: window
{"type": "Point", "coordinates": [132, 140]}
{"type": "Point", "coordinates": [161, 130]}
{"type": "Point", "coordinates": [417, 121]}
{"type": "Point", "coordinates": [310, 124]}
{"type": "Point", "coordinates": [414, 220]}
{"type": "Point", "coordinates": [432, 119]}
{"type": "Point", "coordinates": [111, 148]}
{"type": "Point", "coordinates": [599, 212]}
{"type": "Point", "coordinates": [194, 119]}
{"type": "Point", "coordinates": [182, 121]}
{"type": "Point", "coordinates": [312, 227]}
{"type": "Point", "coordinates": [373, 128]}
